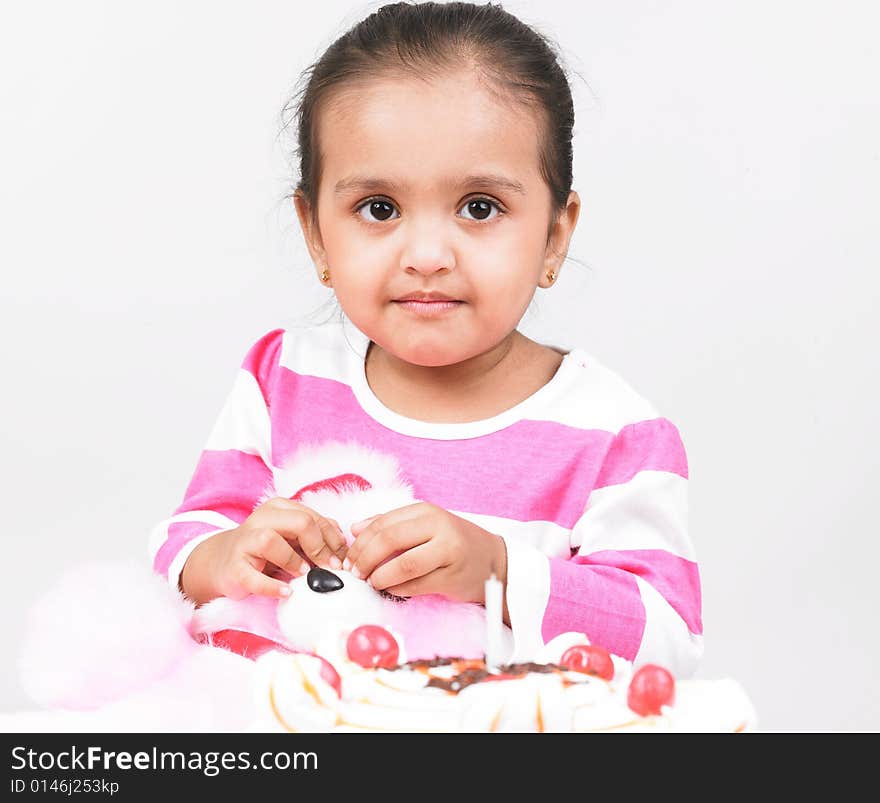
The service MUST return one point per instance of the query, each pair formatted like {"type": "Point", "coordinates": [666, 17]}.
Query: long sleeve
{"type": "Point", "coordinates": [631, 582]}
{"type": "Point", "coordinates": [233, 470]}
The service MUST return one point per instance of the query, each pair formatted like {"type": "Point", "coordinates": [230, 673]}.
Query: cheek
{"type": "Point", "coordinates": [511, 258]}
{"type": "Point", "coordinates": [507, 282]}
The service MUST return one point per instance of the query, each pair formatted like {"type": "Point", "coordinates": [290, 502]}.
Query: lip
{"type": "Point", "coordinates": [432, 296]}
{"type": "Point", "coordinates": [429, 309]}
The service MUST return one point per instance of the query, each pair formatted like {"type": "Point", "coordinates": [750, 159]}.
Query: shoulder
{"type": "Point", "coordinates": [323, 349]}
{"type": "Point", "coordinates": [599, 397]}
{"type": "Point", "coordinates": [638, 435]}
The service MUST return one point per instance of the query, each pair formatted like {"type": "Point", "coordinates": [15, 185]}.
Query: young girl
{"type": "Point", "coordinates": [435, 199]}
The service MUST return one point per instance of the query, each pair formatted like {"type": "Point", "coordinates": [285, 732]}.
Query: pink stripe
{"type": "Point", "coordinates": [676, 578]}
{"type": "Point", "coordinates": [179, 533]}
{"type": "Point", "coordinates": [520, 464]}
{"type": "Point", "coordinates": [262, 359]}
{"type": "Point", "coordinates": [647, 445]}
{"type": "Point", "coordinates": [228, 482]}
{"type": "Point", "coordinates": [601, 601]}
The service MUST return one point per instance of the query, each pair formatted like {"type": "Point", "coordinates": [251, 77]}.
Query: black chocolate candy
{"type": "Point", "coordinates": [321, 580]}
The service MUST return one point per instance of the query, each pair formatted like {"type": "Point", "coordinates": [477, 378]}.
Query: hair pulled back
{"type": "Point", "coordinates": [421, 40]}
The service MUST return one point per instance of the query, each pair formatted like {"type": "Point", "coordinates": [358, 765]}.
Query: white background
{"type": "Point", "coordinates": [725, 264]}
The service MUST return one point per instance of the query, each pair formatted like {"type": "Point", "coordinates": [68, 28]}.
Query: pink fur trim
{"type": "Point", "coordinates": [84, 647]}
{"type": "Point", "coordinates": [432, 625]}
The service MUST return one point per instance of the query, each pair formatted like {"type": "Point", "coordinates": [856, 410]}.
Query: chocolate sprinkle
{"type": "Point", "coordinates": [475, 671]}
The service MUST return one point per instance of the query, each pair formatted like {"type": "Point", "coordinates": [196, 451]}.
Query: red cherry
{"type": "Point", "coordinates": [371, 645]}
{"type": "Point", "coordinates": [650, 688]}
{"type": "Point", "coordinates": [589, 659]}
{"type": "Point", "coordinates": [330, 676]}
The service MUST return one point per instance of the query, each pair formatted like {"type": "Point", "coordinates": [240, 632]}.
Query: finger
{"type": "Point", "coordinates": [430, 583]}
{"type": "Point", "coordinates": [248, 579]}
{"type": "Point", "coordinates": [319, 542]}
{"type": "Point", "coordinates": [334, 538]}
{"type": "Point", "coordinates": [269, 545]}
{"type": "Point", "coordinates": [387, 542]}
{"type": "Point", "coordinates": [369, 527]}
{"type": "Point", "coordinates": [409, 568]}
{"type": "Point", "coordinates": [392, 516]}
{"type": "Point", "coordinates": [295, 522]}
{"type": "Point", "coordinates": [342, 550]}
{"type": "Point", "coordinates": [360, 525]}
{"type": "Point", "coordinates": [284, 516]}
{"type": "Point", "coordinates": [362, 539]}
{"type": "Point", "coordinates": [258, 583]}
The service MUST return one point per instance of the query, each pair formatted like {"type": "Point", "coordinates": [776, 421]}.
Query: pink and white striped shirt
{"type": "Point", "coordinates": [585, 482]}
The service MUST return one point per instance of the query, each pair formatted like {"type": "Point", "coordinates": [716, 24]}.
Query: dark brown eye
{"type": "Point", "coordinates": [480, 209]}
{"type": "Point", "coordinates": [379, 211]}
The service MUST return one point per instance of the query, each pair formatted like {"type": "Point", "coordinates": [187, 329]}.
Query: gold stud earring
{"type": "Point", "coordinates": [552, 275]}
{"type": "Point", "coordinates": [325, 275]}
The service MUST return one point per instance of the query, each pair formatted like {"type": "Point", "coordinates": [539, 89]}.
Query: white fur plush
{"type": "Point", "coordinates": [113, 647]}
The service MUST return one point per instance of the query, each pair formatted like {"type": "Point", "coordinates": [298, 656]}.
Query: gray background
{"type": "Point", "coordinates": [725, 264]}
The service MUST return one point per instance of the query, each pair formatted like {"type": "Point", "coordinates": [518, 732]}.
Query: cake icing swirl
{"type": "Point", "coordinates": [294, 692]}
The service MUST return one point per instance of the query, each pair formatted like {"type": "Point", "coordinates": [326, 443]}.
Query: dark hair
{"type": "Point", "coordinates": [510, 58]}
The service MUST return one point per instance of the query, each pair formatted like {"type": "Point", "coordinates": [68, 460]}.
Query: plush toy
{"type": "Point", "coordinates": [112, 647]}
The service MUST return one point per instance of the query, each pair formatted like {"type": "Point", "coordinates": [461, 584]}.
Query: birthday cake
{"type": "Point", "coordinates": [335, 654]}
{"type": "Point", "coordinates": [337, 657]}
{"type": "Point", "coordinates": [572, 686]}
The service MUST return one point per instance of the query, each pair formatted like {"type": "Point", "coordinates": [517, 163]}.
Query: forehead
{"type": "Point", "coordinates": [419, 133]}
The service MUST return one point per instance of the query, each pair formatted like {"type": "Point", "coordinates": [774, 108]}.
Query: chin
{"type": "Point", "coordinates": [437, 357]}
{"type": "Point", "coordinates": [430, 352]}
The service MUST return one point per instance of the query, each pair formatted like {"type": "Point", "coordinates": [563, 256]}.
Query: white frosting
{"type": "Point", "coordinates": [292, 695]}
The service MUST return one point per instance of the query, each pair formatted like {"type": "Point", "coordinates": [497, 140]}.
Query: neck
{"type": "Point", "coordinates": [465, 376]}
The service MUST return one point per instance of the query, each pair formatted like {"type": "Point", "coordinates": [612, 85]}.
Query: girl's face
{"type": "Point", "coordinates": [433, 187]}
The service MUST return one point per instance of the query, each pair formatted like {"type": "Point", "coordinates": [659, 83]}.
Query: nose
{"type": "Point", "coordinates": [322, 581]}
{"type": "Point", "coordinates": [428, 248]}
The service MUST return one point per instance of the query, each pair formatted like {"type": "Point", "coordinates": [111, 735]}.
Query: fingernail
{"type": "Point", "coordinates": [335, 562]}
{"type": "Point", "coordinates": [346, 564]}
{"type": "Point", "coordinates": [285, 591]}
{"type": "Point", "coordinates": [356, 573]}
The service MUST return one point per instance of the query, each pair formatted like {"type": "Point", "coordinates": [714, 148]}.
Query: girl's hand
{"type": "Point", "coordinates": [281, 538]}
{"type": "Point", "coordinates": [423, 549]}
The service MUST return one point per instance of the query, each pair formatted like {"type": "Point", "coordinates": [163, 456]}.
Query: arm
{"type": "Point", "coordinates": [631, 582]}
{"type": "Point", "coordinates": [233, 470]}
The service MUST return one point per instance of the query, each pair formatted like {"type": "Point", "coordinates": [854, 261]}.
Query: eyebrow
{"type": "Point", "coordinates": [367, 183]}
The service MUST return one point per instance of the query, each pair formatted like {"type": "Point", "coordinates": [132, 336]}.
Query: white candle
{"type": "Point", "coordinates": [494, 623]}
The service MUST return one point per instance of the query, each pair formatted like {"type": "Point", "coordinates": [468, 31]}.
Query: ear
{"type": "Point", "coordinates": [311, 231]}
{"type": "Point", "coordinates": [559, 237]}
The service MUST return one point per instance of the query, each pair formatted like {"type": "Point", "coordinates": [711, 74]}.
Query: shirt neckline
{"type": "Point", "coordinates": [373, 406]}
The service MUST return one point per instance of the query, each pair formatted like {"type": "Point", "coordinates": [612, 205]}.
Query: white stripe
{"type": "Point", "coordinates": [528, 592]}
{"type": "Point", "coordinates": [323, 351]}
{"type": "Point", "coordinates": [243, 423]}
{"type": "Point", "coordinates": [546, 536]}
{"type": "Point", "coordinates": [176, 566]}
{"type": "Point", "coordinates": [595, 397]}
{"type": "Point", "coordinates": [648, 512]}
{"type": "Point", "coordinates": [159, 533]}
{"type": "Point", "coordinates": [666, 640]}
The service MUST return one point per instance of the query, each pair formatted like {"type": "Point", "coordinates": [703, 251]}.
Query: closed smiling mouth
{"type": "Point", "coordinates": [428, 305]}
{"type": "Point", "coordinates": [427, 298]}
